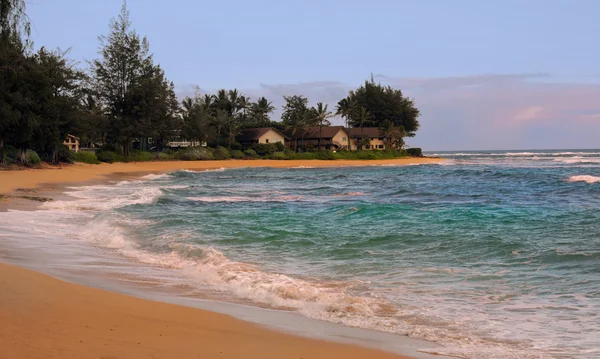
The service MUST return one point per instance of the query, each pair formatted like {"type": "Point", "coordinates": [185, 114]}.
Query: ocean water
{"type": "Point", "coordinates": [490, 254]}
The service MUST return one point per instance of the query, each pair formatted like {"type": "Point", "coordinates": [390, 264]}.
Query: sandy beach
{"type": "Point", "coordinates": [31, 178]}
{"type": "Point", "coordinates": [43, 317]}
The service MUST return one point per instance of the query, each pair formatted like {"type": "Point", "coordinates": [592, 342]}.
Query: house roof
{"type": "Point", "coordinates": [69, 135]}
{"type": "Point", "coordinates": [250, 134]}
{"type": "Point", "coordinates": [366, 132]}
{"type": "Point", "coordinates": [315, 132]}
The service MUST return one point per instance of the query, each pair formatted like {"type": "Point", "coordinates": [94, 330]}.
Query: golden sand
{"type": "Point", "coordinates": [42, 317]}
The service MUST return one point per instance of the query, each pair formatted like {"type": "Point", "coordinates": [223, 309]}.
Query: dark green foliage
{"type": "Point", "coordinates": [325, 155]}
{"type": "Point", "coordinates": [415, 152]}
{"type": "Point", "coordinates": [279, 156]}
{"type": "Point", "coordinates": [196, 154]}
{"type": "Point", "coordinates": [366, 155]}
{"type": "Point", "coordinates": [32, 158]}
{"type": "Point", "coordinates": [140, 101]}
{"type": "Point", "coordinates": [124, 97]}
{"type": "Point", "coordinates": [167, 155]}
{"type": "Point", "coordinates": [140, 156]}
{"type": "Point", "coordinates": [250, 153]}
{"type": "Point", "coordinates": [86, 157]}
{"type": "Point", "coordinates": [105, 156]}
{"type": "Point", "coordinates": [237, 154]}
{"type": "Point", "coordinates": [375, 105]}
{"type": "Point", "coordinates": [221, 153]}
{"type": "Point", "coordinates": [65, 155]}
{"type": "Point", "coordinates": [265, 149]}
{"type": "Point", "coordinates": [236, 146]}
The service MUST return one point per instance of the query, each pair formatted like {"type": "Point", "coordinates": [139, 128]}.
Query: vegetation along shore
{"type": "Point", "coordinates": [121, 107]}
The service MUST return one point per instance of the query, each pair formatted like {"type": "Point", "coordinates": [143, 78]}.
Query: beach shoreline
{"type": "Point", "coordinates": [24, 179]}
{"type": "Point", "coordinates": [43, 317]}
{"type": "Point", "coordinates": [45, 310]}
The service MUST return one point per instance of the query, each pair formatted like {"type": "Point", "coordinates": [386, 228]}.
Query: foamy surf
{"type": "Point", "coordinates": [584, 178]}
{"type": "Point", "coordinates": [440, 253]}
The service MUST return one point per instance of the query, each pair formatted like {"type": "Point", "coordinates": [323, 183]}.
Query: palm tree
{"type": "Point", "coordinates": [234, 128]}
{"type": "Point", "coordinates": [220, 120]}
{"type": "Point", "coordinates": [347, 109]}
{"type": "Point", "coordinates": [260, 110]}
{"type": "Point", "coordinates": [234, 102]}
{"type": "Point", "coordinates": [364, 117]}
{"type": "Point", "coordinates": [393, 135]}
{"type": "Point", "coordinates": [208, 103]}
{"type": "Point", "coordinates": [321, 119]}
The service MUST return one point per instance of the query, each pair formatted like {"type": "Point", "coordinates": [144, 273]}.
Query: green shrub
{"type": "Point", "coordinates": [86, 157]}
{"type": "Point", "coordinates": [32, 158]}
{"type": "Point", "coordinates": [415, 152]}
{"type": "Point", "coordinates": [279, 156]}
{"type": "Point", "coordinates": [65, 154]}
{"type": "Point", "coordinates": [250, 153]}
{"type": "Point", "coordinates": [110, 157]}
{"type": "Point", "coordinates": [167, 155]}
{"type": "Point", "coordinates": [366, 155]}
{"type": "Point", "coordinates": [237, 154]}
{"type": "Point", "coordinates": [140, 156]}
{"type": "Point", "coordinates": [221, 153]}
{"type": "Point", "coordinates": [9, 154]}
{"type": "Point", "coordinates": [279, 146]}
{"type": "Point", "coordinates": [306, 156]}
{"type": "Point", "coordinates": [325, 155]}
{"type": "Point", "coordinates": [196, 154]}
{"type": "Point", "coordinates": [236, 146]}
{"type": "Point", "coordinates": [290, 154]}
{"type": "Point", "coordinates": [265, 149]}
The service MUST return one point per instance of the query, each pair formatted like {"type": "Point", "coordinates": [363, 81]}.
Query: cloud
{"type": "Point", "coordinates": [520, 111]}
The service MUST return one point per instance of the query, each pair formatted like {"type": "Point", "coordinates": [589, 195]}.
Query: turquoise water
{"type": "Point", "coordinates": [491, 254]}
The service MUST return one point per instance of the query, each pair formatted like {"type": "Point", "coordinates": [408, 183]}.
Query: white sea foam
{"type": "Point", "coordinates": [155, 176]}
{"type": "Point", "coordinates": [207, 267]}
{"type": "Point", "coordinates": [584, 178]}
{"type": "Point", "coordinates": [104, 197]}
{"type": "Point", "coordinates": [577, 159]}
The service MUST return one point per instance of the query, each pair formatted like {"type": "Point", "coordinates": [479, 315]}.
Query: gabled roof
{"type": "Point", "coordinates": [251, 134]}
{"type": "Point", "coordinates": [316, 132]}
{"type": "Point", "coordinates": [366, 132]}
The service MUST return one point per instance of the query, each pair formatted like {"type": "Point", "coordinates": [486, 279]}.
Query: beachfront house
{"type": "Point", "coordinates": [371, 138]}
{"type": "Point", "coordinates": [72, 143]}
{"type": "Point", "coordinates": [325, 138]}
{"type": "Point", "coordinates": [252, 136]}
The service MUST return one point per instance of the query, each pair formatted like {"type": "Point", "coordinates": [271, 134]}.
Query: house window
{"type": "Point", "coordinates": [344, 139]}
{"type": "Point", "coordinates": [380, 138]}
{"type": "Point", "coordinates": [381, 147]}
{"type": "Point", "coordinates": [267, 140]}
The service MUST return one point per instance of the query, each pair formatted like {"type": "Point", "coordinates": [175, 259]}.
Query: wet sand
{"type": "Point", "coordinates": [43, 317]}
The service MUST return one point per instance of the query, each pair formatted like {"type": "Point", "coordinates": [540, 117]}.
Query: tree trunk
{"type": "Point", "coordinates": [361, 136]}
{"type": "Point", "coordinates": [320, 135]}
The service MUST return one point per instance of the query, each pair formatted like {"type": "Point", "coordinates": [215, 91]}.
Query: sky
{"type": "Point", "coordinates": [497, 74]}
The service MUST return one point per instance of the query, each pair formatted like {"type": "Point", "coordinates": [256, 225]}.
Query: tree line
{"type": "Point", "coordinates": [123, 95]}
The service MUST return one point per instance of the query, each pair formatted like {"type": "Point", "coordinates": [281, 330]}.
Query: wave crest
{"type": "Point", "coordinates": [584, 178]}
